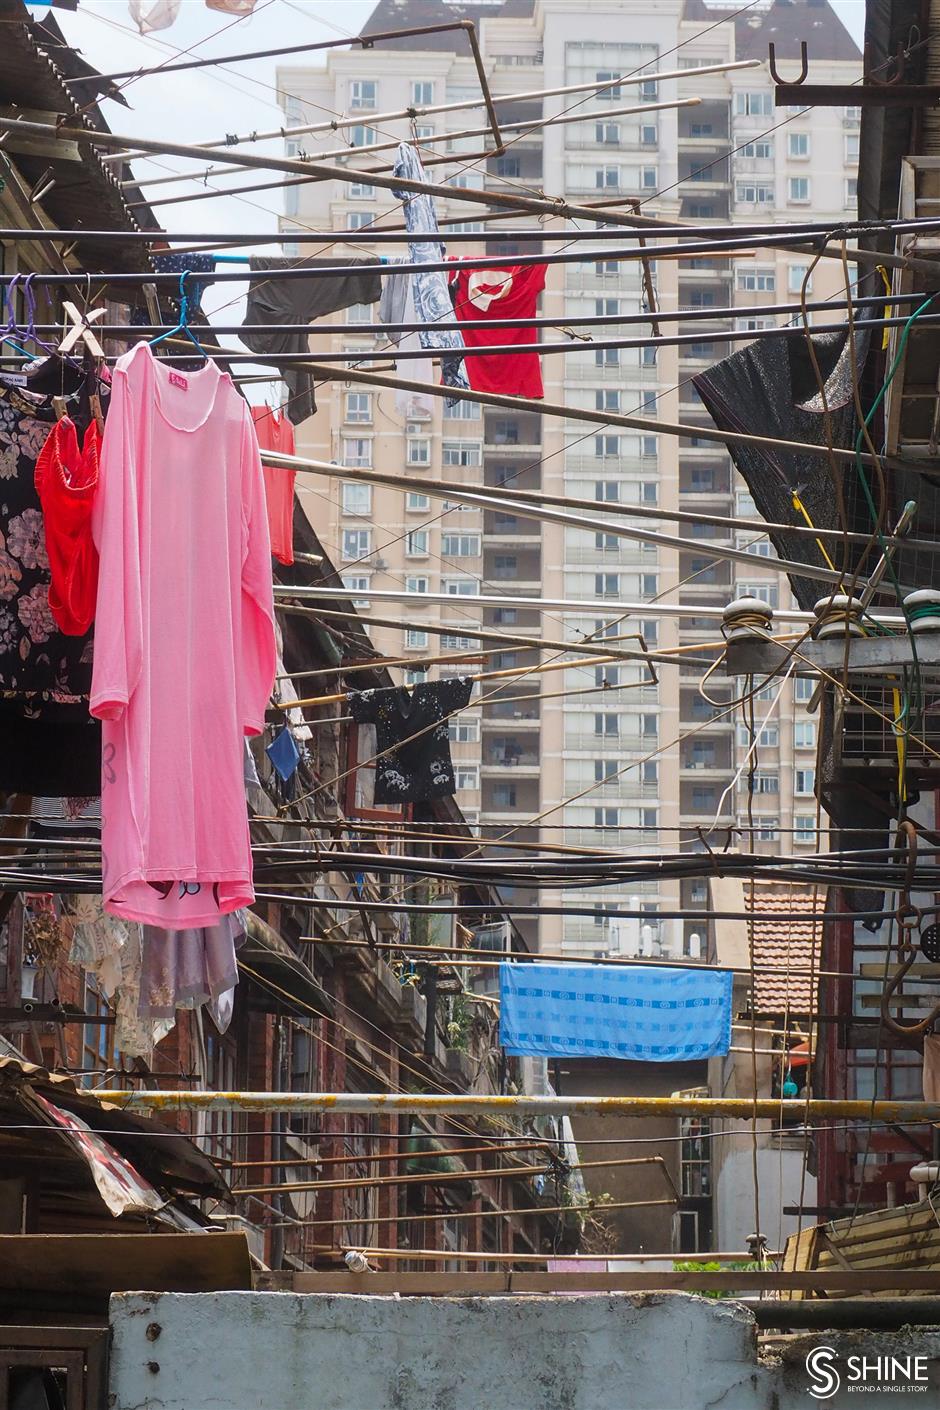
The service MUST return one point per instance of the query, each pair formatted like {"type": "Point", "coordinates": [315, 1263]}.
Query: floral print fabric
{"type": "Point", "coordinates": [43, 673]}
{"type": "Point", "coordinates": [413, 762]}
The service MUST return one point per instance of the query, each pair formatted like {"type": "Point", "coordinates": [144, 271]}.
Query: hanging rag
{"type": "Point", "coordinates": [273, 301]}
{"type": "Point", "coordinates": [160, 15]}
{"type": "Point", "coordinates": [512, 292]}
{"type": "Point", "coordinates": [397, 305]}
{"type": "Point", "coordinates": [642, 1014]}
{"type": "Point", "coordinates": [432, 300]}
{"type": "Point", "coordinates": [412, 737]}
{"type": "Point", "coordinates": [275, 432]}
{"type": "Point", "coordinates": [232, 7]}
{"type": "Point", "coordinates": [66, 479]}
{"type": "Point", "coordinates": [184, 969]}
{"type": "Point", "coordinates": [284, 754]}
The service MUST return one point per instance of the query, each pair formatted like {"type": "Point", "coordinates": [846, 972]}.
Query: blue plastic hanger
{"type": "Point", "coordinates": [183, 324]}
{"type": "Point", "coordinates": [31, 336]}
{"type": "Point", "coordinates": [12, 327]}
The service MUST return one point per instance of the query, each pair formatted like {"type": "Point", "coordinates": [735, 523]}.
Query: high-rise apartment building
{"type": "Point", "coordinates": [593, 754]}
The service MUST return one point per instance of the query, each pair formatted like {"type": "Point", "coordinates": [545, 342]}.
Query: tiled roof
{"type": "Point", "coordinates": [784, 946]}
{"type": "Point", "coordinates": [783, 23]}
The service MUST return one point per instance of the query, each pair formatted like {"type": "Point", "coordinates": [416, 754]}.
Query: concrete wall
{"type": "Point", "coordinates": [282, 1351]}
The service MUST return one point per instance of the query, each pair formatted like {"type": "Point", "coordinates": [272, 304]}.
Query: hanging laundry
{"type": "Point", "coordinates": [158, 15]}
{"type": "Point", "coordinates": [397, 305]}
{"type": "Point", "coordinates": [500, 293]}
{"type": "Point", "coordinates": [644, 1014]}
{"type": "Point", "coordinates": [48, 745]}
{"type": "Point", "coordinates": [66, 479]}
{"type": "Point", "coordinates": [169, 262]}
{"type": "Point", "coordinates": [232, 7]}
{"type": "Point", "coordinates": [301, 300]}
{"type": "Point", "coordinates": [432, 300]}
{"type": "Point", "coordinates": [284, 754]}
{"type": "Point", "coordinates": [184, 638]}
{"type": "Point", "coordinates": [275, 432]}
{"type": "Point", "coordinates": [412, 737]}
{"type": "Point", "coordinates": [184, 969]}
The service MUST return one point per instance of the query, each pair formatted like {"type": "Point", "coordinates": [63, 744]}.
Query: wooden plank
{"type": "Point", "coordinates": [93, 1266]}
{"type": "Point", "coordinates": [34, 144]}
{"type": "Point", "coordinates": [418, 1284]}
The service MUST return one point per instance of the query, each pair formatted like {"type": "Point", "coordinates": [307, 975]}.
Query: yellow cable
{"type": "Point", "coordinates": [800, 508]}
{"type": "Point", "coordinates": [886, 335]}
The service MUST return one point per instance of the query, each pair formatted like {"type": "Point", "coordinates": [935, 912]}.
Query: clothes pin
{"type": "Point", "coordinates": [60, 408]}
{"type": "Point", "coordinates": [81, 329]}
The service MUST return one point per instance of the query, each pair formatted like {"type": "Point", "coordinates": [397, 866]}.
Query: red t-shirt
{"type": "Point", "coordinates": [276, 433]}
{"type": "Point", "coordinates": [500, 293]}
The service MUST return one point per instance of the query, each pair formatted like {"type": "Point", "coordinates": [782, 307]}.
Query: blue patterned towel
{"type": "Point", "coordinates": [644, 1013]}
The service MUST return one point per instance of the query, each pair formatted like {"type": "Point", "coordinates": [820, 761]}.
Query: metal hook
{"type": "Point", "coordinates": [868, 73]}
{"type": "Point", "coordinates": [804, 66]}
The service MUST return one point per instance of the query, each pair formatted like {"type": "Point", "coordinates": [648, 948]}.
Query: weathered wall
{"type": "Point", "coordinates": [282, 1351]}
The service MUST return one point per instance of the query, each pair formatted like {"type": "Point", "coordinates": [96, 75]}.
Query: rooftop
{"type": "Point", "coordinates": [783, 23]}
{"type": "Point", "coordinates": [781, 947]}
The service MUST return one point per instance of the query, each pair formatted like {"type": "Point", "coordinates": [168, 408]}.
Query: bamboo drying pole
{"type": "Point", "coordinates": [535, 1210]}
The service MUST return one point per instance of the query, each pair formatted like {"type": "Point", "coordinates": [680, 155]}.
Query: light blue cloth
{"type": "Point", "coordinates": [431, 296]}
{"type": "Point", "coordinates": [638, 1012]}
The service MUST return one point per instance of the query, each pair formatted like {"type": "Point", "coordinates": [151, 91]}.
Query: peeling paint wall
{"type": "Point", "coordinates": [283, 1351]}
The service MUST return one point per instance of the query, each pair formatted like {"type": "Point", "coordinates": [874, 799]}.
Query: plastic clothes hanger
{"type": "Point", "coordinates": [183, 324]}
{"type": "Point", "coordinates": [11, 331]}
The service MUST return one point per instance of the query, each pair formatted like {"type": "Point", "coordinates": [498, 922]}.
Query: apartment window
{"type": "Point", "coordinates": [754, 104]}
{"type": "Point", "coordinates": [607, 399]}
{"type": "Point", "coordinates": [649, 135]}
{"type": "Point", "coordinates": [649, 726]}
{"type": "Point", "coordinates": [415, 676]}
{"type": "Point", "coordinates": [357, 582]}
{"type": "Point", "coordinates": [416, 585]}
{"type": "Point", "coordinates": [357, 500]}
{"type": "Point", "coordinates": [611, 91]}
{"type": "Point", "coordinates": [361, 191]}
{"type": "Point", "coordinates": [415, 637]}
{"type": "Point", "coordinates": [745, 508]}
{"type": "Point", "coordinates": [755, 193]}
{"type": "Point", "coordinates": [804, 827]}
{"type": "Point", "coordinates": [423, 131]}
{"type": "Point", "coordinates": [606, 725]}
{"type": "Point", "coordinates": [649, 90]}
{"type": "Point", "coordinates": [416, 543]}
{"type": "Point", "coordinates": [649, 447]}
{"type": "Point", "coordinates": [606, 543]}
{"type": "Point", "coordinates": [607, 447]}
{"type": "Point", "coordinates": [763, 782]}
{"type": "Point", "coordinates": [422, 93]}
{"type": "Point", "coordinates": [361, 136]}
{"type": "Point", "coordinates": [505, 566]}
{"type": "Point", "coordinates": [462, 411]}
{"type": "Point", "coordinates": [418, 450]}
{"type": "Point", "coordinates": [650, 631]}
{"type": "Point", "coordinates": [460, 545]}
{"type": "Point", "coordinates": [757, 151]}
{"type": "Point", "coordinates": [851, 114]}
{"type": "Point", "coordinates": [463, 730]}
{"type": "Point", "coordinates": [648, 178]}
{"type": "Point", "coordinates": [798, 144]}
{"type": "Point", "coordinates": [804, 734]}
{"type": "Point", "coordinates": [798, 189]}
{"type": "Point", "coordinates": [357, 543]}
{"type": "Point", "coordinates": [757, 281]}
{"type": "Point", "coordinates": [359, 407]}
{"type": "Point", "coordinates": [461, 587]}
{"type": "Point", "coordinates": [417, 503]}
{"type": "Point", "coordinates": [766, 829]}
{"type": "Point", "coordinates": [363, 93]}
{"type": "Point", "coordinates": [357, 452]}
{"type": "Point", "coordinates": [507, 616]}
{"type": "Point", "coordinates": [467, 777]}
{"type": "Point", "coordinates": [649, 772]}
{"type": "Point", "coordinates": [606, 584]}
{"type": "Point", "coordinates": [754, 325]}
{"type": "Point", "coordinates": [605, 770]}
{"type": "Point", "coordinates": [851, 192]}
{"type": "Point", "coordinates": [606, 817]}
{"type": "Point", "coordinates": [606, 307]}
{"type": "Point", "coordinates": [701, 210]}
{"type": "Point", "coordinates": [648, 355]}
{"type": "Point", "coordinates": [358, 220]}
{"type": "Point", "coordinates": [504, 795]}
{"type": "Point", "coordinates": [649, 584]}
{"type": "Point", "coordinates": [796, 273]}
{"type": "Point", "coordinates": [359, 313]}
{"type": "Point", "coordinates": [607, 178]}
{"type": "Point", "coordinates": [804, 782]}
{"type": "Point", "coordinates": [606, 357]}
{"type": "Point", "coordinates": [606, 267]}
{"type": "Point", "coordinates": [461, 453]}
{"type": "Point", "coordinates": [702, 478]}
{"type": "Point", "coordinates": [607, 491]}
{"type": "Point", "coordinates": [702, 298]}
{"type": "Point", "coordinates": [606, 675]}
{"type": "Point", "coordinates": [703, 798]}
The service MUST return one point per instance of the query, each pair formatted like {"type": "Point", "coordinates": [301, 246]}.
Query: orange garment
{"type": "Point", "coordinates": [276, 433]}
{"type": "Point", "coordinates": [66, 479]}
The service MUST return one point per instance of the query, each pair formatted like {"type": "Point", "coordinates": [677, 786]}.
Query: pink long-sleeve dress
{"type": "Point", "coordinates": [184, 640]}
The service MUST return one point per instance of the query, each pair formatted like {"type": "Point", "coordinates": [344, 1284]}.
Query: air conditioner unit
{"type": "Point", "coordinates": [379, 563]}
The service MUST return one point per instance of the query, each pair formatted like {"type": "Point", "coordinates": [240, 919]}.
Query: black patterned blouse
{"type": "Point", "coordinates": [413, 728]}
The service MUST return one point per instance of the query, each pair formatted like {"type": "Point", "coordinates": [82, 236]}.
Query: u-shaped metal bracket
{"type": "Point", "coordinates": [804, 66]}
{"type": "Point", "coordinates": [898, 62]}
